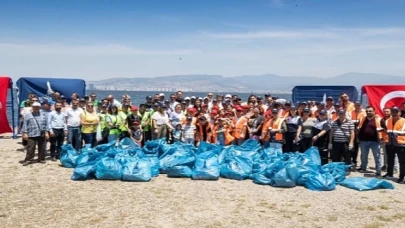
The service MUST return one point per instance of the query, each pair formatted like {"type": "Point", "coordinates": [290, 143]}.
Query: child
{"type": "Point", "coordinates": [224, 138]}
{"type": "Point", "coordinates": [177, 133]}
{"type": "Point", "coordinates": [136, 133]}
{"type": "Point", "coordinates": [189, 130]}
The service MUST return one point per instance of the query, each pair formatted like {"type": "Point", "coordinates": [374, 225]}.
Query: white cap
{"type": "Point", "coordinates": [36, 104]}
{"type": "Point", "coordinates": [187, 98]}
{"type": "Point", "coordinates": [193, 97]}
{"type": "Point", "coordinates": [205, 98]}
{"type": "Point", "coordinates": [161, 94]}
{"type": "Point", "coordinates": [228, 96]}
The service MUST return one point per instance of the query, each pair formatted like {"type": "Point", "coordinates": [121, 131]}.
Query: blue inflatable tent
{"type": "Point", "coordinates": [43, 87]}
{"type": "Point", "coordinates": [306, 93]}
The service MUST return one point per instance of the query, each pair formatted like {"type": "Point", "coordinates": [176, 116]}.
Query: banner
{"type": "Point", "coordinates": [384, 96]}
{"type": "Point", "coordinates": [4, 87]}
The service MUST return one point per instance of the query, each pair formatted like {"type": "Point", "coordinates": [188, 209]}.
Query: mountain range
{"type": "Point", "coordinates": [246, 83]}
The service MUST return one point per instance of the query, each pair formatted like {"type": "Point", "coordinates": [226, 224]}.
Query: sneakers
{"type": "Point", "coordinates": [53, 159]}
{"type": "Point", "coordinates": [360, 170]}
{"type": "Point", "coordinates": [25, 163]}
{"type": "Point", "coordinates": [42, 162]}
{"type": "Point", "coordinates": [401, 181]}
{"type": "Point", "coordinates": [386, 176]}
{"type": "Point", "coordinates": [384, 168]}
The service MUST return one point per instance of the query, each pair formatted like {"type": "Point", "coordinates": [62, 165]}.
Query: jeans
{"type": "Point", "coordinates": [221, 142]}
{"type": "Point", "coordinates": [384, 149]}
{"type": "Point", "coordinates": [74, 137]}
{"type": "Point", "coordinates": [113, 137]}
{"type": "Point", "coordinates": [365, 147]}
{"type": "Point", "coordinates": [238, 142]}
{"type": "Point", "coordinates": [189, 141]}
{"type": "Point", "coordinates": [57, 142]}
{"type": "Point", "coordinates": [90, 138]}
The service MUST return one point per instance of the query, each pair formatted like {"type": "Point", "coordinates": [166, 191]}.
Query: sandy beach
{"type": "Point", "coordinates": [42, 195]}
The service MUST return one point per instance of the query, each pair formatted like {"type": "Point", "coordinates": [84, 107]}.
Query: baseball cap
{"type": "Point", "coordinates": [134, 108]}
{"type": "Point", "coordinates": [189, 118]}
{"type": "Point", "coordinates": [305, 110]}
{"type": "Point", "coordinates": [267, 95]}
{"type": "Point", "coordinates": [329, 98]}
{"type": "Point", "coordinates": [274, 110]}
{"type": "Point", "coordinates": [191, 110]}
{"type": "Point", "coordinates": [161, 94]}
{"type": "Point", "coordinates": [259, 98]}
{"type": "Point", "coordinates": [148, 97]}
{"type": "Point", "coordinates": [36, 104]}
{"type": "Point", "coordinates": [267, 113]}
{"type": "Point", "coordinates": [167, 101]}
{"type": "Point", "coordinates": [238, 108]}
{"type": "Point", "coordinates": [205, 98]}
{"type": "Point", "coordinates": [204, 105]}
{"type": "Point", "coordinates": [341, 111]}
{"type": "Point", "coordinates": [287, 103]}
{"type": "Point", "coordinates": [322, 103]}
{"type": "Point", "coordinates": [293, 107]}
{"type": "Point", "coordinates": [193, 97]}
{"type": "Point", "coordinates": [228, 96]}
{"type": "Point", "coordinates": [187, 98]}
{"type": "Point", "coordinates": [304, 102]}
{"type": "Point", "coordinates": [215, 100]}
{"type": "Point", "coordinates": [322, 112]}
{"type": "Point", "coordinates": [214, 112]}
{"type": "Point", "coordinates": [135, 123]}
{"type": "Point", "coordinates": [337, 104]}
{"type": "Point", "coordinates": [62, 97]}
{"type": "Point", "coordinates": [82, 100]}
{"type": "Point", "coordinates": [157, 104]}
{"type": "Point", "coordinates": [357, 103]}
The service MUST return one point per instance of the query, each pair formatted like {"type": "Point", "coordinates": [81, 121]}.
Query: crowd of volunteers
{"type": "Point", "coordinates": [339, 128]}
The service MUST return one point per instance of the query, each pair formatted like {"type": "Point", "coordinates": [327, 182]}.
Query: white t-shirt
{"type": "Point", "coordinates": [161, 119]}
{"type": "Point", "coordinates": [73, 117]}
{"type": "Point", "coordinates": [188, 131]}
{"type": "Point", "coordinates": [176, 118]}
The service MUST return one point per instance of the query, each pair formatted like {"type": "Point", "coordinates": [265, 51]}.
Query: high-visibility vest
{"type": "Point", "coordinates": [265, 129]}
{"type": "Point", "coordinates": [201, 132]}
{"type": "Point", "coordinates": [380, 130]}
{"type": "Point", "coordinates": [240, 127]}
{"type": "Point", "coordinates": [355, 117]}
{"type": "Point", "coordinates": [396, 133]}
{"type": "Point", "coordinates": [276, 125]}
{"type": "Point", "coordinates": [349, 108]}
{"type": "Point", "coordinates": [228, 137]}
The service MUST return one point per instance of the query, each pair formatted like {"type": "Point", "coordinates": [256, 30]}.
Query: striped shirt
{"type": "Point", "coordinates": [342, 133]}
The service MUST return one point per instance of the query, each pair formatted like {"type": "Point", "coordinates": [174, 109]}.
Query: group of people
{"type": "Point", "coordinates": [338, 128]}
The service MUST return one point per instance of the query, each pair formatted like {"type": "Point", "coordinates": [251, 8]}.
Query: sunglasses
{"type": "Point", "coordinates": [90, 106]}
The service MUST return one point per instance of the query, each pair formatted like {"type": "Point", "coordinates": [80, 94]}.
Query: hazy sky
{"type": "Point", "coordinates": [97, 39]}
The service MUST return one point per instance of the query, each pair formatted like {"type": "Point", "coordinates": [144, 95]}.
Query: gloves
{"type": "Point", "coordinates": [330, 146]}
{"type": "Point", "coordinates": [350, 147]}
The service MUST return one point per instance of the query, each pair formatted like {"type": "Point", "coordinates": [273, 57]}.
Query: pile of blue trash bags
{"type": "Point", "coordinates": [129, 162]}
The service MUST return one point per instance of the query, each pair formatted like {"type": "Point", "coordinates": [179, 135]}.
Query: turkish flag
{"type": "Point", "coordinates": [4, 86]}
{"type": "Point", "coordinates": [384, 96]}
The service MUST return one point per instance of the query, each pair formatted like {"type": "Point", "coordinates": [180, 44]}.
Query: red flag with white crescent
{"type": "Point", "coordinates": [384, 96]}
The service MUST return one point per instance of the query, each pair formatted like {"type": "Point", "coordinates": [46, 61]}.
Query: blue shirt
{"type": "Point", "coordinates": [34, 124]}
{"type": "Point", "coordinates": [57, 120]}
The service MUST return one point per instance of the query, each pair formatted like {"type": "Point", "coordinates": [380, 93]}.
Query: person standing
{"type": "Point", "coordinates": [341, 138]}
{"type": "Point", "coordinates": [35, 132]}
{"type": "Point", "coordinates": [387, 115]}
{"type": "Point", "coordinates": [74, 136]}
{"type": "Point", "coordinates": [89, 121]}
{"type": "Point", "coordinates": [355, 116]}
{"type": "Point", "coordinates": [306, 133]}
{"type": "Point", "coordinates": [370, 132]}
{"type": "Point", "coordinates": [395, 143]}
{"type": "Point", "coordinates": [320, 138]}
{"type": "Point", "coordinates": [57, 130]}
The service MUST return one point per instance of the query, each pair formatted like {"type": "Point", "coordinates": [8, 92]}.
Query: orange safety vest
{"type": "Point", "coordinates": [265, 129]}
{"type": "Point", "coordinates": [380, 130]}
{"type": "Point", "coordinates": [228, 137]}
{"type": "Point", "coordinates": [200, 132]}
{"type": "Point", "coordinates": [396, 132]}
{"type": "Point", "coordinates": [276, 125]}
{"type": "Point", "coordinates": [355, 117]}
{"type": "Point", "coordinates": [350, 107]}
{"type": "Point", "coordinates": [240, 127]}
{"type": "Point", "coordinates": [194, 121]}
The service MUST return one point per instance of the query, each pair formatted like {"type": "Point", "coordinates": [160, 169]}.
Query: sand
{"type": "Point", "coordinates": [42, 195]}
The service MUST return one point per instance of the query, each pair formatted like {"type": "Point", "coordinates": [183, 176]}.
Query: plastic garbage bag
{"type": "Point", "coordinates": [269, 153]}
{"type": "Point", "coordinates": [282, 179]}
{"type": "Point", "coordinates": [154, 161]}
{"type": "Point", "coordinates": [105, 147]}
{"type": "Point", "coordinates": [179, 171]}
{"type": "Point", "coordinates": [84, 171]}
{"type": "Point", "coordinates": [137, 170]}
{"type": "Point", "coordinates": [88, 157]}
{"type": "Point", "coordinates": [320, 182]}
{"type": "Point", "coordinates": [337, 169]}
{"type": "Point", "coordinates": [153, 146]}
{"type": "Point", "coordinates": [179, 155]}
{"type": "Point", "coordinates": [99, 135]}
{"type": "Point", "coordinates": [68, 156]}
{"type": "Point", "coordinates": [299, 173]}
{"type": "Point", "coordinates": [313, 155]}
{"type": "Point", "coordinates": [108, 169]}
{"type": "Point", "coordinates": [272, 167]}
{"type": "Point", "coordinates": [213, 148]}
{"type": "Point", "coordinates": [127, 144]}
{"type": "Point", "coordinates": [238, 168]}
{"type": "Point", "coordinates": [366, 184]}
{"type": "Point", "coordinates": [206, 166]}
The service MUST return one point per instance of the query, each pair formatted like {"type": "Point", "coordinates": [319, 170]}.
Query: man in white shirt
{"type": "Point", "coordinates": [73, 125]}
{"type": "Point", "coordinates": [113, 101]}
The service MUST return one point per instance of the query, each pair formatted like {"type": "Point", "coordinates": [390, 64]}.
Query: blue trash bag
{"type": "Point", "coordinates": [269, 153]}
{"type": "Point", "coordinates": [84, 171]}
{"type": "Point", "coordinates": [213, 148]}
{"type": "Point", "coordinates": [178, 155]}
{"type": "Point", "coordinates": [299, 173]}
{"type": "Point", "coordinates": [273, 166]}
{"type": "Point", "coordinates": [180, 171]}
{"type": "Point", "coordinates": [88, 149]}
{"type": "Point", "coordinates": [282, 179]}
{"type": "Point", "coordinates": [105, 147]}
{"type": "Point", "coordinates": [88, 157]}
{"type": "Point", "coordinates": [154, 161]}
{"type": "Point", "coordinates": [320, 182]}
{"type": "Point", "coordinates": [68, 156]}
{"type": "Point", "coordinates": [238, 168]}
{"type": "Point", "coordinates": [366, 184]}
{"type": "Point", "coordinates": [337, 169]}
{"type": "Point", "coordinates": [108, 169]}
{"type": "Point", "coordinates": [153, 146]}
{"type": "Point", "coordinates": [139, 170]}
{"type": "Point", "coordinates": [313, 155]}
{"type": "Point", "coordinates": [128, 144]}
{"type": "Point", "coordinates": [206, 166]}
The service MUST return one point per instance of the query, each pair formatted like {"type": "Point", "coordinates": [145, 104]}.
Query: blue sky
{"type": "Point", "coordinates": [96, 39]}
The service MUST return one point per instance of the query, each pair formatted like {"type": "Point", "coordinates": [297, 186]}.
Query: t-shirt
{"type": "Point", "coordinates": [188, 130]}
{"type": "Point", "coordinates": [293, 123]}
{"type": "Point", "coordinates": [73, 117]}
{"type": "Point", "coordinates": [307, 126]}
{"type": "Point", "coordinates": [137, 134]}
{"type": "Point", "coordinates": [368, 131]}
{"type": "Point", "coordinates": [161, 119]}
{"type": "Point", "coordinates": [176, 118]}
